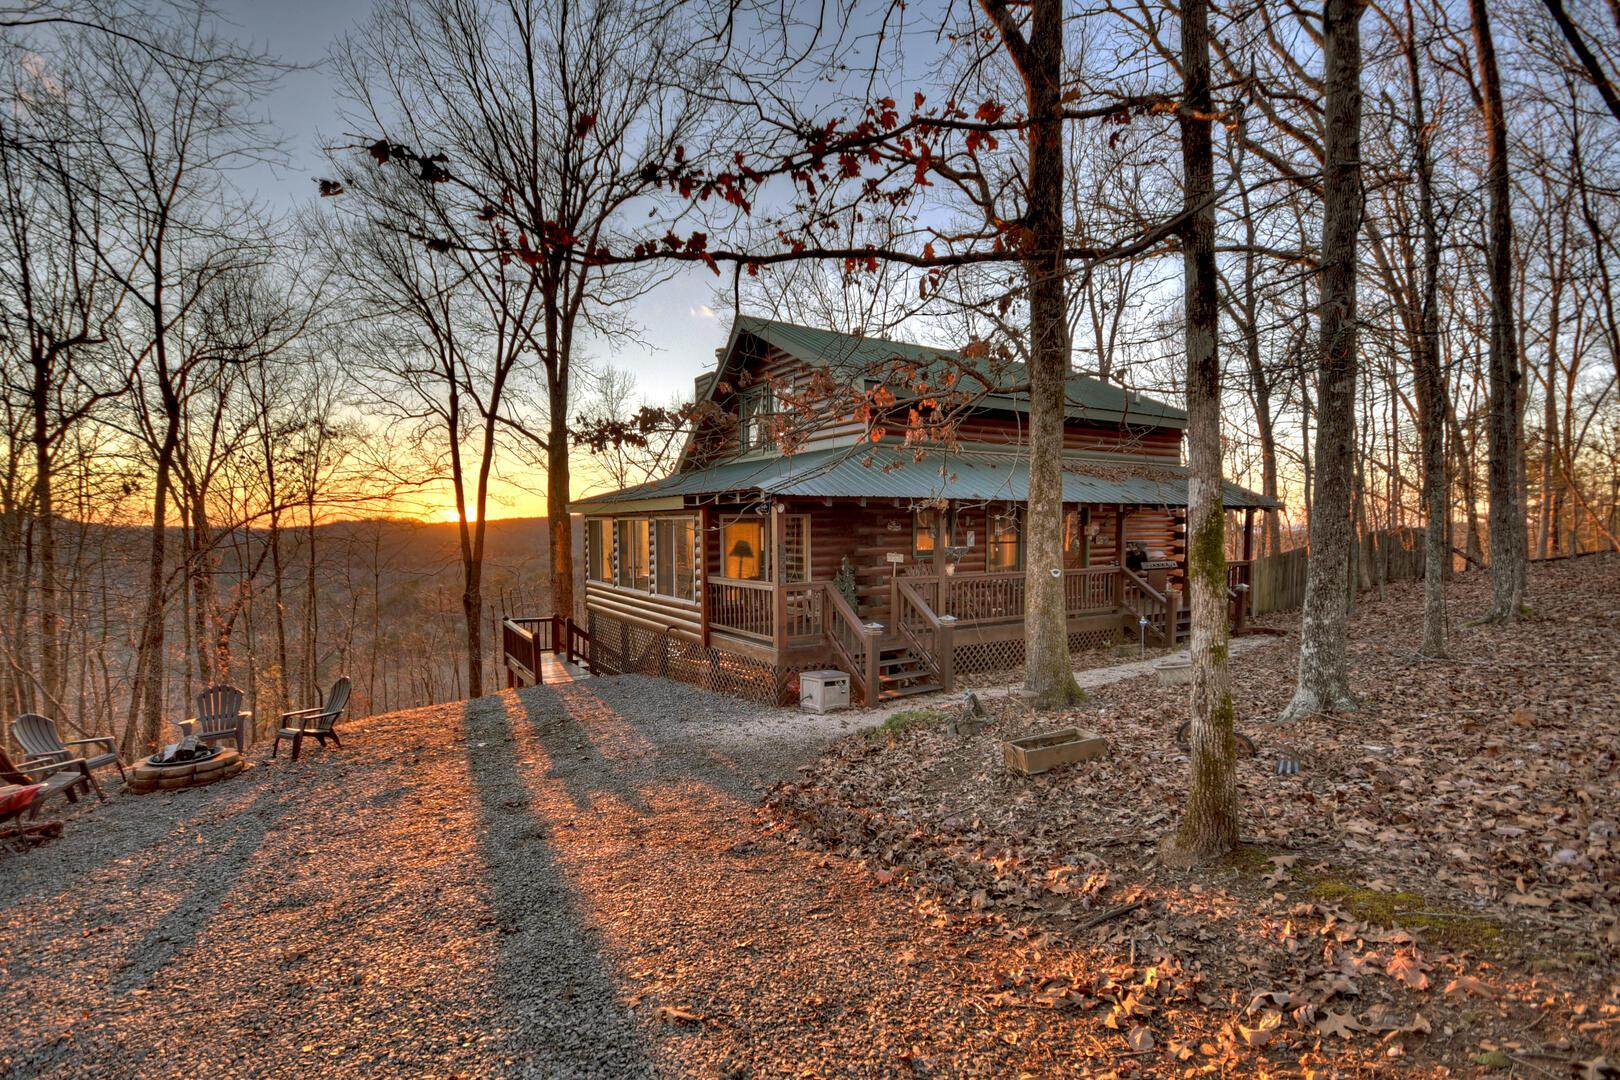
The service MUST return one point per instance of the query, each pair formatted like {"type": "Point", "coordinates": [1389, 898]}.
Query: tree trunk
{"type": "Point", "coordinates": [146, 699]}
{"type": "Point", "coordinates": [1210, 824]}
{"type": "Point", "coordinates": [1048, 670]}
{"type": "Point", "coordinates": [1504, 437]}
{"type": "Point", "coordinates": [558, 525]}
{"type": "Point", "coordinates": [312, 624]}
{"type": "Point", "coordinates": [51, 674]}
{"type": "Point", "coordinates": [1428, 377]}
{"type": "Point", "coordinates": [1324, 676]}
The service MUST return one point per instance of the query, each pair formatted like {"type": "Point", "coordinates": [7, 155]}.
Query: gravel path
{"type": "Point", "coordinates": [568, 881]}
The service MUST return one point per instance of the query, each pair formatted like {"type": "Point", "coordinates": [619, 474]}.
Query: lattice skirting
{"type": "Point", "coordinates": [1004, 655]}
{"type": "Point", "coordinates": [621, 647]}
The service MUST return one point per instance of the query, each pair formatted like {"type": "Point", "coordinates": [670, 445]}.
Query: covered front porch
{"type": "Point", "coordinates": [903, 569]}
{"type": "Point", "coordinates": [903, 610]}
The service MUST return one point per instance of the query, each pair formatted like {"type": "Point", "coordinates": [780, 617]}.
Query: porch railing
{"type": "Point", "coordinates": [522, 650]}
{"type": "Point", "coordinates": [1160, 609]}
{"type": "Point", "coordinates": [1002, 597]}
{"type": "Point", "coordinates": [524, 639]}
{"type": "Point", "coordinates": [929, 635]}
{"type": "Point", "coordinates": [742, 607]}
{"type": "Point", "coordinates": [804, 610]}
{"type": "Point", "coordinates": [1089, 590]}
{"type": "Point", "coordinates": [985, 597]}
{"type": "Point", "coordinates": [851, 641]}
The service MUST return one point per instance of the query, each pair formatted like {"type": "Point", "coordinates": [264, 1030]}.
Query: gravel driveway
{"type": "Point", "coordinates": [566, 881]}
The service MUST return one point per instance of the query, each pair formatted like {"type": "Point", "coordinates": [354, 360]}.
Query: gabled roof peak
{"type": "Point", "coordinates": [855, 354]}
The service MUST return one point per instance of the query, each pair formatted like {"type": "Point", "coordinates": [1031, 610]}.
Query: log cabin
{"type": "Point", "coordinates": [896, 559]}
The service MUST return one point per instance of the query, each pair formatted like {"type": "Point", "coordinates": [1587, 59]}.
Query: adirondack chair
{"type": "Point", "coordinates": [317, 723]}
{"type": "Point", "coordinates": [220, 716]}
{"type": "Point", "coordinates": [57, 775]}
{"type": "Point", "coordinates": [38, 737]}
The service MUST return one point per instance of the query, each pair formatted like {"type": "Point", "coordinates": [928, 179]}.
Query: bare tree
{"type": "Point", "coordinates": [1504, 431]}
{"type": "Point", "coordinates": [1209, 826]}
{"type": "Point", "coordinates": [1324, 677]}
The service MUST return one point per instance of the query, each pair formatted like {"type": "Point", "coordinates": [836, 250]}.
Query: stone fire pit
{"type": "Point", "coordinates": [184, 764]}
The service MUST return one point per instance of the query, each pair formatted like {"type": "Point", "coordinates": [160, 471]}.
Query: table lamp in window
{"type": "Point", "coordinates": [743, 552]}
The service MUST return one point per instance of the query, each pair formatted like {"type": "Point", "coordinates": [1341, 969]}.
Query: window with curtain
{"type": "Point", "coordinates": [1005, 549]}
{"type": "Point", "coordinates": [598, 553]}
{"type": "Point", "coordinates": [795, 548]}
{"type": "Point", "coordinates": [743, 547]}
{"type": "Point", "coordinates": [674, 547]}
{"type": "Point", "coordinates": [755, 408]}
{"type": "Point", "coordinates": [635, 540]}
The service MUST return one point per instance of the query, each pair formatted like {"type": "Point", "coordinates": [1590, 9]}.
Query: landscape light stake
{"type": "Point", "coordinates": [1141, 625]}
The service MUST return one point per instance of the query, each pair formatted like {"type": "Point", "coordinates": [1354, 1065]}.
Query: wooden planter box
{"type": "Point", "coordinates": [1037, 753]}
{"type": "Point", "coordinates": [1174, 672]}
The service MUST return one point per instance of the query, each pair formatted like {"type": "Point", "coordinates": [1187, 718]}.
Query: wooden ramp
{"type": "Point", "coordinates": [554, 669]}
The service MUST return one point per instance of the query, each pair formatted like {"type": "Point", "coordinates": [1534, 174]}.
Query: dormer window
{"type": "Point", "coordinates": [756, 406]}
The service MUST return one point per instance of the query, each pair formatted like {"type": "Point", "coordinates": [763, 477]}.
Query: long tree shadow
{"type": "Point", "coordinates": [558, 994]}
{"type": "Point", "coordinates": [605, 736]}
{"type": "Point", "coordinates": [216, 871]}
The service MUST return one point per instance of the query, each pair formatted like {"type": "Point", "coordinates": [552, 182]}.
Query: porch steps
{"type": "Point", "coordinates": [902, 672]}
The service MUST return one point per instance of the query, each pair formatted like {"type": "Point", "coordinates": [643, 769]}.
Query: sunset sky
{"type": "Point", "coordinates": [677, 316]}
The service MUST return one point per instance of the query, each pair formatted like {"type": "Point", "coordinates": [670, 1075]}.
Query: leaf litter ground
{"type": "Point", "coordinates": [1434, 892]}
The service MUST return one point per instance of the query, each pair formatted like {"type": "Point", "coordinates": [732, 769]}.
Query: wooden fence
{"type": "Point", "coordinates": [1277, 582]}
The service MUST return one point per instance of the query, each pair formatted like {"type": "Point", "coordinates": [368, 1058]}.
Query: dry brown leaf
{"type": "Point", "coordinates": [1336, 1023]}
{"type": "Point", "coordinates": [1140, 1040]}
{"type": "Point", "coordinates": [674, 1014]}
{"type": "Point", "coordinates": [1407, 966]}
{"type": "Point", "coordinates": [1262, 1032]}
{"type": "Point", "coordinates": [1467, 984]}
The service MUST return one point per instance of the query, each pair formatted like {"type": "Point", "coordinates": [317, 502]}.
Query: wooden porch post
{"type": "Point", "coordinates": [778, 583]}
{"type": "Point", "coordinates": [1119, 555]}
{"type": "Point", "coordinates": [1241, 623]}
{"type": "Point", "coordinates": [874, 682]}
{"type": "Point", "coordinates": [703, 575]}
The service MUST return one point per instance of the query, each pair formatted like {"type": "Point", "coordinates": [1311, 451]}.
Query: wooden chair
{"type": "Point", "coordinates": [38, 737]}
{"type": "Point", "coordinates": [58, 777]}
{"type": "Point", "coordinates": [220, 716]}
{"type": "Point", "coordinates": [317, 723]}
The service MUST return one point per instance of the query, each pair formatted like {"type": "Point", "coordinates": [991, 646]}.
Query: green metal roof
{"type": "Point", "coordinates": [852, 355]}
{"type": "Point", "coordinates": [972, 474]}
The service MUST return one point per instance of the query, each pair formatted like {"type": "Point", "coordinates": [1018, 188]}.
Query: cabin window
{"type": "Point", "coordinates": [756, 407]}
{"type": "Point", "coordinates": [634, 569]}
{"type": "Point", "coordinates": [926, 529]}
{"type": "Point", "coordinates": [795, 548]}
{"type": "Point", "coordinates": [742, 550]}
{"type": "Point", "coordinates": [598, 551]}
{"type": "Point", "coordinates": [673, 547]}
{"type": "Point", "coordinates": [1005, 550]}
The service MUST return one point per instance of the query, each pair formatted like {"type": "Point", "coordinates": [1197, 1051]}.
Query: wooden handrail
{"type": "Point", "coordinates": [937, 645]}
{"type": "Point", "coordinates": [746, 583]}
{"type": "Point", "coordinates": [919, 602]}
{"type": "Point", "coordinates": [842, 614]}
{"type": "Point", "coordinates": [1141, 584]}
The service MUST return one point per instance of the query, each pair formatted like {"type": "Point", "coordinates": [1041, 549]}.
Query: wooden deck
{"type": "Point", "coordinates": [932, 620]}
